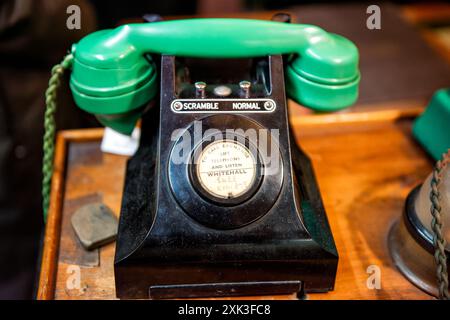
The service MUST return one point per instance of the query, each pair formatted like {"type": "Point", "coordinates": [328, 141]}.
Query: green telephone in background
{"type": "Point", "coordinates": [221, 204]}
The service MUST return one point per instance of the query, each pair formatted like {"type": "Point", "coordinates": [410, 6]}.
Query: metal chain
{"type": "Point", "coordinates": [436, 226]}
{"type": "Point", "coordinates": [49, 129]}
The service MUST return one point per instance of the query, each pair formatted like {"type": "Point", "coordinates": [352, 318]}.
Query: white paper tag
{"type": "Point", "coordinates": [118, 143]}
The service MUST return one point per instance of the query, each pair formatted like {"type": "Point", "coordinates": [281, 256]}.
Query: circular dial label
{"type": "Point", "coordinates": [226, 169]}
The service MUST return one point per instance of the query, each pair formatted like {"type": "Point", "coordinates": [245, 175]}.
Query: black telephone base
{"type": "Point", "coordinates": [162, 252]}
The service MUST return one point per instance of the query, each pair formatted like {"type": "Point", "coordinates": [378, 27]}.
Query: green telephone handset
{"type": "Point", "coordinates": [112, 78]}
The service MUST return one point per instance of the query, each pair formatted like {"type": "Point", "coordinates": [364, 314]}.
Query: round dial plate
{"type": "Point", "coordinates": [226, 169]}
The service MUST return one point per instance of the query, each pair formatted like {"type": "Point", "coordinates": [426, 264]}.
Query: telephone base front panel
{"type": "Point", "coordinates": [174, 241]}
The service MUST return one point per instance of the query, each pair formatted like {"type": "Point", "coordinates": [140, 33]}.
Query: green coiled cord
{"type": "Point", "coordinates": [50, 129]}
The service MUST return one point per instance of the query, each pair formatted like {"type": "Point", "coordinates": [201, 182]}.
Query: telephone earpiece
{"type": "Point", "coordinates": [113, 76]}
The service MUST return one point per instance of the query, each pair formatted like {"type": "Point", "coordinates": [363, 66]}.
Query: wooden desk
{"type": "Point", "coordinates": [366, 163]}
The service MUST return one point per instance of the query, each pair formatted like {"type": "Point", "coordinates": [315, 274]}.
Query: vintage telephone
{"type": "Point", "coordinates": [216, 221]}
